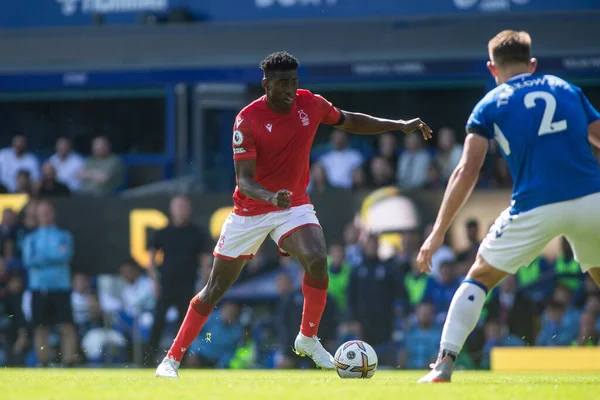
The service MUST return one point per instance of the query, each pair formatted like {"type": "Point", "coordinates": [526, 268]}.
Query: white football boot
{"type": "Point", "coordinates": [312, 347]}
{"type": "Point", "coordinates": [168, 368]}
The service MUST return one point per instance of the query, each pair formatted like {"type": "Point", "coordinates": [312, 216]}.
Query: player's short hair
{"type": "Point", "coordinates": [510, 47]}
{"type": "Point", "coordinates": [279, 61]}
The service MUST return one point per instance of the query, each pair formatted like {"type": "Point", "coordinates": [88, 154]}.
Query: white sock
{"type": "Point", "coordinates": [463, 315]}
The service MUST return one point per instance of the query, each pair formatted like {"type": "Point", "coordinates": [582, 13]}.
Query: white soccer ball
{"type": "Point", "coordinates": [355, 360]}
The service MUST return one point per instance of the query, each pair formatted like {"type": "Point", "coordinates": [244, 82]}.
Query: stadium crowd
{"type": "Point", "coordinates": [386, 302]}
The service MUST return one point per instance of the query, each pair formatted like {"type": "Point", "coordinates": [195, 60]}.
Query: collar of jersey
{"type": "Point", "coordinates": [525, 75]}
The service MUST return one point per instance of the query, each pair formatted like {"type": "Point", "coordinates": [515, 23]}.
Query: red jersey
{"type": "Point", "coordinates": [281, 144]}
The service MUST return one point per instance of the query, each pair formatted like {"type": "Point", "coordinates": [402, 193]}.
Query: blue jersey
{"type": "Point", "coordinates": [540, 123]}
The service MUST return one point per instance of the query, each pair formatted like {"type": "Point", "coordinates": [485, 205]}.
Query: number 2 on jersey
{"type": "Point", "coordinates": [546, 126]}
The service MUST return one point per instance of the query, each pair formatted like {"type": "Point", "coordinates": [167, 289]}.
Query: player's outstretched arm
{"type": "Point", "coordinates": [245, 171]}
{"type": "Point", "coordinates": [367, 125]}
{"type": "Point", "coordinates": [461, 184]}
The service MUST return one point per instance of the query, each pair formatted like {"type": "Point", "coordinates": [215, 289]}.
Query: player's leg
{"type": "Point", "coordinates": [514, 241]}
{"type": "Point", "coordinates": [302, 237]}
{"type": "Point", "coordinates": [240, 239]}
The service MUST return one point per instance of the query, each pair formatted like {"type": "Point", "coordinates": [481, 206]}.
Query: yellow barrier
{"type": "Point", "coordinates": [545, 359]}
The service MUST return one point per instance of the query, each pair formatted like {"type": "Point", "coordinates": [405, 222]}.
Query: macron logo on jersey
{"type": "Point", "coordinates": [238, 122]}
{"type": "Point", "coordinates": [269, 127]}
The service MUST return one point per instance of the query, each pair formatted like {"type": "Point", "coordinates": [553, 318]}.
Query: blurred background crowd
{"type": "Point", "coordinates": [131, 317]}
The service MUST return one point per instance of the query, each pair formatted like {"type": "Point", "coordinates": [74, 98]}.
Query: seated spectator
{"type": "Point", "coordinates": [439, 292]}
{"type": "Point", "coordinates": [318, 179]}
{"type": "Point", "coordinates": [13, 327]}
{"type": "Point", "coordinates": [28, 224]}
{"type": "Point", "coordinates": [497, 335]}
{"type": "Point", "coordinates": [434, 177]}
{"type": "Point", "coordinates": [80, 303]}
{"type": "Point", "coordinates": [287, 321]}
{"type": "Point", "coordinates": [415, 283]}
{"type": "Point", "coordinates": [514, 310]}
{"type": "Point", "coordinates": [568, 271]}
{"type": "Point", "coordinates": [353, 252]}
{"type": "Point", "coordinates": [339, 275]}
{"type": "Point", "coordinates": [559, 320]}
{"type": "Point", "coordinates": [24, 183]}
{"type": "Point", "coordinates": [588, 290]}
{"type": "Point", "coordinates": [341, 161]}
{"type": "Point", "coordinates": [413, 163]}
{"type": "Point", "coordinates": [421, 340]}
{"type": "Point", "coordinates": [48, 186]}
{"type": "Point", "coordinates": [387, 148]}
{"type": "Point", "coordinates": [218, 340]}
{"type": "Point", "coordinates": [103, 171]}
{"type": "Point", "coordinates": [360, 180]}
{"type": "Point", "coordinates": [373, 291]}
{"type": "Point", "coordinates": [588, 333]}
{"type": "Point", "coordinates": [382, 173]}
{"type": "Point", "coordinates": [468, 255]}
{"type": "Point", "coordinates": [8, 233]}
{"type": "Point", "coordinates": [15, 159]}
{"type": "Point", "coordinates": [537, 280]}
{"type": "Point", "coordinates": [67, 164]}
{"type": "Point", "coordinates": [138, 292]}
{"type": "Point", "coordinates": [448, 152]}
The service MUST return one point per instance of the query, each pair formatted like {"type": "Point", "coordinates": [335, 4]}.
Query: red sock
{"type": "Point", "coordinates": [193, 322]}
{"type": "Point", "coordinates": [315, 298]}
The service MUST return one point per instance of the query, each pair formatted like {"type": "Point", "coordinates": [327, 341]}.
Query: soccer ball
{"type": "Point", "coordinates": [355, 359]}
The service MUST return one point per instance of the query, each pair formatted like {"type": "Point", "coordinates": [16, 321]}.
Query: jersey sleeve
{"type": "Point", "coordinates": [592, 114]}
{"type": "Point", "coordinates": [331, 114]}
{"type": "Point", "coordinates": [478, 122]}
{"type": "Point", "coordinates": [243, 143]}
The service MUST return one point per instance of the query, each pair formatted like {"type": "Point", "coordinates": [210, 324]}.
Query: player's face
{"type": "Point", "coordinates": [281, 88]}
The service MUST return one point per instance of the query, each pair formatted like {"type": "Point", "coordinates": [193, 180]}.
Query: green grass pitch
{"type": "Point", "coordinates": [125, 384]}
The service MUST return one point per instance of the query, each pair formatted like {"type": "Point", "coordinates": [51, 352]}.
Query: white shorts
{"type": "Point", "coordinates": [514, 241]}
{"type": "Point", "coordinates": [242, 236]}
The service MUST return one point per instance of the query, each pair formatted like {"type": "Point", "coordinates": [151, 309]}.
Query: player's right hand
{"type": "Point", "coordinates": [281, 199]}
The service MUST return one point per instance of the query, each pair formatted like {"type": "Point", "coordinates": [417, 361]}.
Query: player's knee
{"type": "Point", "coordinates": [485, 273]}
{"type": "Point", "coordinates": [316, 263]}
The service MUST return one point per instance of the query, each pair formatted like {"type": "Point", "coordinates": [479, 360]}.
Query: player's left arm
{"type": "Point", "coordinates": [461, 184]}
{"type": "Point", "coordinates": [366, 124]}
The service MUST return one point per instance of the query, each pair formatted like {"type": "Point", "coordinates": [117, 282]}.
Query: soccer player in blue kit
{"type": "Point", "coordinates": [543, 126]}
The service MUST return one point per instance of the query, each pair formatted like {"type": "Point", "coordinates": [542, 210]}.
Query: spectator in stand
{"type": "Point", "coordinates": [49, 186]}
{"type": "Point", "coordinates": [537, 281]}
{"type": "Point", "coordinates": [559, 320]}
{"type": "Point", "coordinates": [497, 335]}
{"type": "Point", "coordinates": [47, 254]}
{"type": "Point", "coordinates": [102, 173]}
{"type": "Point", "coordinates": [67, 164]}
{"type": "Point", "coordinates": [8, 235]}
{"type": "Point", "coordinates": [186, 248]}
{"type": "Point", "coordinates": [339, 275]}
{"type": "Point", "coordinates": [360, 180]}
{"type": "Point", "coordinates": [588, 333]}
{"type": "Point", "coordinates": [372, 293]}
{"type": "Point", "coordinates": [80, 303]}
{"type": "Point", "coordinates": [382, 173]}
{"type": "Point", "coordinates": [15, 159]}
{"type": "Point", "coordinates": [448, 153]}
{"type": "Point", "coordinates": [353, 252]}
{"type": "Point", "coordinates": [567, 270]}
{"type": "Point", "coordinates": [318, 179]}
{"type": "Point", "coordinates": [12, 320]}
{"type": "Point", "coordinates": [387, 144]}
{"type": "Point", "coordinates": [287, 320]}
{"type": "Point", "coordinates": [218, 340]}
{"type": "Point", "coordinates": [341, 161]}
{"type": "Point", "coordinates": [513, 309]}
{"type": "Point", "coordinates": [413, 163]}
{"type": "Point", "coordinates": [24, 183]}
{"type": "Point", "coordinates": [434, 177]}
{"type": "Point", "coordinates": [420, 341]}
{"type": "Point", "coordinates": [415, 283]}
{"type": "Point", "coordinates": [440, 291]}
{"type": "Point", "coordinates": [138, 290]}
{"type": "Point", "coordinates": [467, 256]}
{"type": "Point", "coordinates": [28, 223]}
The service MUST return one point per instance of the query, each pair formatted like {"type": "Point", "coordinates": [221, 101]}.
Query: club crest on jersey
{"type": "Point", "coordinates": [238, 138]}
{"type": "Point", "coordinates": [304, 118]}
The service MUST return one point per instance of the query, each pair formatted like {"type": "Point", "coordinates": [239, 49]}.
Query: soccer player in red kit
{"type": "Point", "coordinates": [272, 139]}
